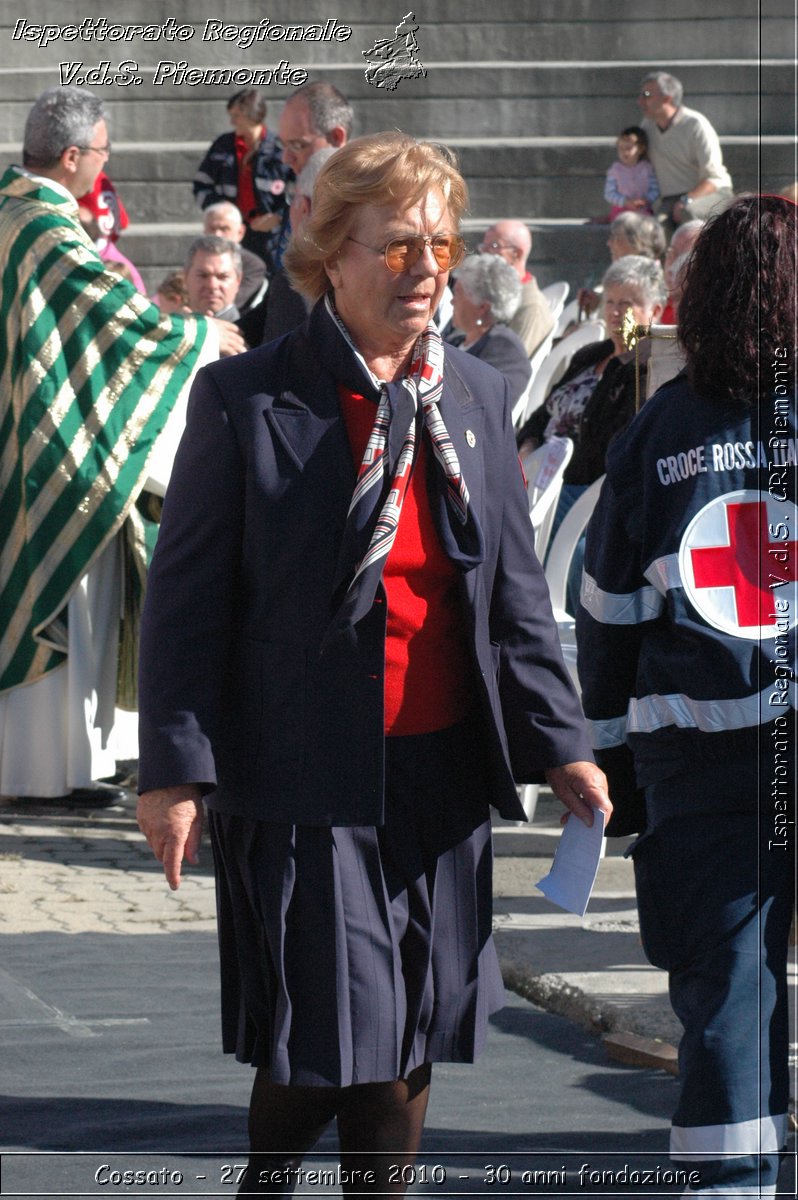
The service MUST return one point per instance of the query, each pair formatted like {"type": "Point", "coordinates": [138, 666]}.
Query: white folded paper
{"type": "Point", "coordinates": [576, 862]}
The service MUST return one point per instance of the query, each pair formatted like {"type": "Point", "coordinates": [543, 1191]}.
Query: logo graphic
{"type": "Point", "coordinates": [737, 562]}
{"type": "Point", "coordinates": [394, 59]}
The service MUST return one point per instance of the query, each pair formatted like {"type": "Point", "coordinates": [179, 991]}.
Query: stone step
{"type": "Point", "coordinates": [745, 96]}
{"type": "Point", "coordinates": [520, 178]}
{"type": "Point", "coordinates": [442, 12]}
{"type": "Point", "coordinates": [531, 92]}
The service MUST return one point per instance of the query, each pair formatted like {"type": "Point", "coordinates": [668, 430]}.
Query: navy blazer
{"type": "Point", "coordinates": [236, 692]}
{"type": "Point", "coordinates": [503, 349]}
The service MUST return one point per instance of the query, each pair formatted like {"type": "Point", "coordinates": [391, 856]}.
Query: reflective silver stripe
{"type": "Point", "coordinates": [663, 573]}
{"type": "Point", "coordinates": [762, 1135]}
{"type": "Point", "coordinates": [606, 734]}
{"type": "Point", "coordinates": [626, 608]}
{"type": "Point", "coordinates": [710, 716]}
{"type": "Point", "coordinates": [203, 180]}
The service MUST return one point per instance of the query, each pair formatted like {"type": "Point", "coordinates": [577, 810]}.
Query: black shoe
{"type": "Point", "coordinates": [98, 795]}
{"type": "Point", "coordinates": [118, 777]}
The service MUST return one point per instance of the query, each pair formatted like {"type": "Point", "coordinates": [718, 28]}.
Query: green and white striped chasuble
{"type": "Point", "coordinates": [89, 371]}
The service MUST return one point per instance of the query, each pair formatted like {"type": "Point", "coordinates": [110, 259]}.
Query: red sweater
{"type": "Point", "coordinates": [428, 677]}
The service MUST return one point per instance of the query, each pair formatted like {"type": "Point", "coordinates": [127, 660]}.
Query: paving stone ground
{"type": "Point", "coordinates": [91, 872]}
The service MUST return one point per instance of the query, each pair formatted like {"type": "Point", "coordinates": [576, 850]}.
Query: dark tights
{"type": "Point", "coordinates": [379, 1128]}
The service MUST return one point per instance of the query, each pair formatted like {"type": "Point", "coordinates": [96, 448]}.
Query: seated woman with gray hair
{"type": "Point", "coordinates": [636, 233]}
{"type": "Point", "coordinates": [630, 234]}
{"type": "Point", "coordinates": [486, 294]}
{"type": "Point", "coordinates": [597, 396]}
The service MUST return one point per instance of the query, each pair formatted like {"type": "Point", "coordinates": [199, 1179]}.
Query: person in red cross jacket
{"type": "Point", "coordinates": [686, 655]}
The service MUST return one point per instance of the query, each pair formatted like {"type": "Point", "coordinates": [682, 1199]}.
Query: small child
{"type": "Point", "coordinates": [631, 182]}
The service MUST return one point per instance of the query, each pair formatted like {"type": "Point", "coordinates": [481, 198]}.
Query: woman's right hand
{"type": "Point", "coordinates": [171, 821]}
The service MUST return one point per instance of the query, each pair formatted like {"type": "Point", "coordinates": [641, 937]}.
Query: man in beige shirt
{"type": "Point", "coordinates": [685, 152]}
{"type": "Point", "coordinates": [533, 320]}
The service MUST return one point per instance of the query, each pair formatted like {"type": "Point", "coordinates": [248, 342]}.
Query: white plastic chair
{"type": "Point", "coordinates": [558, 565]}
{"type": "Point", "coordinates": [519, 408]}
{"type": "Point", "coordinates": [544, 469]}
{"type": "Point", "coordinates": [556, 294]}
{"type": "Point", "coordinates": [570, 315]}
{"type": "Point", "coordinates": [536, 360]}
{"type": "Point", "coordinates": [556, 363]}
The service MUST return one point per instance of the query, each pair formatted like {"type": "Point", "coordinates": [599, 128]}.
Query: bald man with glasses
{"type": "Point", "coordinates": [315, 116]}
{"type": "Point", "coordinates": [533, 320]}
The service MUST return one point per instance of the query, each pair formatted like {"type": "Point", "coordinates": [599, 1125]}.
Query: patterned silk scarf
{"type": "Point", "coordinates": [381, 490]}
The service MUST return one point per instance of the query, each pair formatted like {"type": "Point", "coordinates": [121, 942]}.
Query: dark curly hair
{"type": "Point", "coordinates": [737, 313]}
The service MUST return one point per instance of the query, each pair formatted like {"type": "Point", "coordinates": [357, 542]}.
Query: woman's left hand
{"type": "Point", "coordinates": [581, 787]}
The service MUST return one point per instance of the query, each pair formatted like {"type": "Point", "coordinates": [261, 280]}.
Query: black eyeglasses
{"type": "Point", "coordinates": [402, 253]}
{"type": "Point", "coordinates": [495, 246]}
{"type": "Point", "coordinates": [297, 145]}
{"type": "Point", "coordinates": [103, 150]}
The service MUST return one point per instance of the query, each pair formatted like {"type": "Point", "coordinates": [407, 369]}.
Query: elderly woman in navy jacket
{"type": "Point", "coordinates": [348, 651]}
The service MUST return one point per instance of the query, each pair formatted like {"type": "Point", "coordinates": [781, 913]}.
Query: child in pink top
{"type": "Point", "coordinates": [631, 182]}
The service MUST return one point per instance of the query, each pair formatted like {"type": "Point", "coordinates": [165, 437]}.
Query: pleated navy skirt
{"type": "Point", "coordinates": [355, 954]}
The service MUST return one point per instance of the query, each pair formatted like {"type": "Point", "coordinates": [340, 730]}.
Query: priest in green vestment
{"type": "Point", "coordinates": [89, 372]}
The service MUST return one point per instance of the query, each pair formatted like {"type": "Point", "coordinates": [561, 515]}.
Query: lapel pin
{"type": "Point", "coordinates": [472, 441]}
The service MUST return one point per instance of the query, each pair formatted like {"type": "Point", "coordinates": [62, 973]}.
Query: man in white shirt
{"type": "Point", "coordinates": [685, 152]}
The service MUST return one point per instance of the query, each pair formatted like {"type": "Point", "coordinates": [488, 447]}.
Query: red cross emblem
{"type": "Point", "coordinates": [738, 563]}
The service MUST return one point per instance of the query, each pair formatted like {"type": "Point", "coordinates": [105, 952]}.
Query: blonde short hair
{"type": "Point", "coordinates": [383, 168]}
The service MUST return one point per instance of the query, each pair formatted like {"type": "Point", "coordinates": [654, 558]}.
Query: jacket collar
{"type": "Point", "coordinates": [306, 414]}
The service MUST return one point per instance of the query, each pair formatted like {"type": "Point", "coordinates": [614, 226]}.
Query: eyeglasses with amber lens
{"type": "Point", "coordinates": [402, 253]}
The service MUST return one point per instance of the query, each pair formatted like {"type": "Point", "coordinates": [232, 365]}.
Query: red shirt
{"type": "Point", "coordinates": [247, 204]}
{"type": "Point", "coordinates": [428, 675]}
